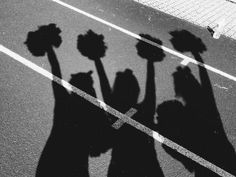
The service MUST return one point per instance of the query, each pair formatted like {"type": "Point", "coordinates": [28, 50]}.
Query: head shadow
{"type": "Point", "coordinates": [167, 124]}
{"type": "Point", "coordinates": [186, 86]}
{"type": "Point", "coordinates": [172, 120]}
{"type": "Point", "coordinates": [84, 82]}
{"type": "Point", "coordinates": [125, 91]}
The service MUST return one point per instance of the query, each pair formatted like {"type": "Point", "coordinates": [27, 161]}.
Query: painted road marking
{"type": "Point", "coordinates": [184, 62]}
{"type": "Point", "coordinates": [184, 57]}
{"type": "Point", "coordinates": [158, 137]}
{"type": "Point", "coordinates": [116, 113]}
{"type": "Point", "coordinates": [102, 105]}
{"type": "Point", "coordinates": [119, 122]}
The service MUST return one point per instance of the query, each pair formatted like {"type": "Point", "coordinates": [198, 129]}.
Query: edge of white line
{"type": "Point", "coordinates": [180, 55]}
{"type": "Point", "coordinates": [132, 122]}
{"type": "Point", "coordinates": [158, 137]}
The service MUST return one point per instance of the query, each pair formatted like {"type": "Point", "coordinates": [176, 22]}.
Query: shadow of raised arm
{"type": "Point", "coordinates": [150, 93]}
{"type": "Point", "coordinates": [92, 46]}
{"type": "Point", "coordinates": [104, 82]}
{"type": "Point", "coordinates": [42, 42]}
{"type": "Point", "coordinates": [152, 54]}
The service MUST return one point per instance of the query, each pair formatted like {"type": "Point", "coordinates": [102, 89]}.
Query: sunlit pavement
{"type": "Point", "coordinates": [201, 13]}
{"type": "Point", "coordinates": [27, 102]}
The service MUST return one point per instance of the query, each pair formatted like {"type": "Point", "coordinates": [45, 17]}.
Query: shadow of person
{"type": "Point", "coordinates": [172, 122]}
{"type": "Point", "coordinates": [92, 46]}
{"type": "Point", "coordinates": [87, 122]}
{"type": "Point", "coordinates": [133, 152]}
{"type": "Point", "coordinates": [42, 42]}
{"type": "Point", "coordinates": [70, 141]}
{"type": "Point", "coordinates": [203, 123]}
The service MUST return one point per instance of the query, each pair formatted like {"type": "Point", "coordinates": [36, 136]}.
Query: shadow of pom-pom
{"type": "Point", "coordinates": [91, 45]}
{"type": "Point", "coordinates": [148, 51]}
{"type": "Point", "coordinates": [39, 41]}
{"type": "Point", "coordinates": [184, 41]}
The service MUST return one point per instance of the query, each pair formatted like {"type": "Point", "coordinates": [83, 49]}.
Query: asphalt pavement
{"type": "Point", "coordinates": [27, 102]}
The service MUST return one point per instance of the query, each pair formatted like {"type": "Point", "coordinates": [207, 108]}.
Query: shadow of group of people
{"type": "Point", "coordinates": [80, 129]}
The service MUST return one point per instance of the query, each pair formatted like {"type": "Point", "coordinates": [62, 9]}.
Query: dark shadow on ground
{"type": "Point", "coordinates": [133, 152]}
{"type": "Point", "coordinates": [196, 125]}
{"type": "Point", "coordinates": [77, 124]}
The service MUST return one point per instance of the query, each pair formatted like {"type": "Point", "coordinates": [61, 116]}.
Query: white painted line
{"type": "Point", "coordinates": [27, 63]}
{"type": "Point", "coordinates": [116, 113]}
{"type": "Point", "coordinates": [103, 105]}
{"type": "Point", "coordinates": [119, 122]}
{"type": "Point", "coordinates": [184, 57]}
{"type": "Point", "coordinates": [97, 19]}
{"type": "Point", "coordinates": [158, 137]}
{"type": "Point", "coordinates": [184, 62]}
{"type": "Point", "coordinates": [66, 85]}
